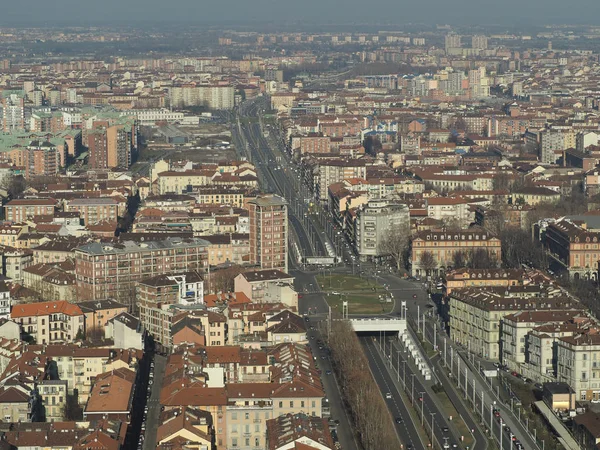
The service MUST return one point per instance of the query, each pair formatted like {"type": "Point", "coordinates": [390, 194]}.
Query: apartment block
{"type": "Point", "coordinates": [49, 322]}
{"type": "Point", "coordinates": [516, 328]}
{"type": "Point", "coordinates": [374, 222]}
{"type": "Point", "coordinates": [94, 210]}
{"type": "Point", "coordinates": [154, 295]}
{"type": "Point", "coordinates": [19, 210]}
{"type": "Point", "coordinates": [106, 270]}
{"type": "Point", "coordinates": [268, 232]}
{"type": "Point", "coordinates": [476, 313]}
{"type": "Point", "coordinates": [541, 353]}
{"type": "Point", "coordinates": [109, 146]}
{"type": "Point", "coordinates": [578, 364]}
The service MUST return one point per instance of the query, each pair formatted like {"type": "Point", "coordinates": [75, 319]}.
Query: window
{"type": "Point", "coordinates": [291, 404]}
{"type": "Point", "coordinates": [234, 442]}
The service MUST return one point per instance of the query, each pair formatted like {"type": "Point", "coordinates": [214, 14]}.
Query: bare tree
{"type": "Point", "coordinates": [495, 219]}
{"type": "Point", "coordinates": [14, 185]}
{"type": "Point", "coordinates": [502, 181]}
{"type": "Point", "coordinates": [519, 248]}
{"type": "Point", "coordinates": [396, 243]}
{"type": "Point", "coordinates": [427, 261]}
{"type": "Point", "coordinates": [366, 407]}
{"type": "Point", "coordinates": [481, 259]}
{"type": "Point", "coordinates": [459, 259]}
{"type": "Point", "coordinates": [222, 280]}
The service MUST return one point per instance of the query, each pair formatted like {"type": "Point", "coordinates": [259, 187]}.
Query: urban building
{"type": "Point", "coordinates": [476, 313]}
{"type": "Point", "coordinates": [576, 247]}
{"type": "Point", "coordinates": [94, 210]}
{"type": "Point", "coordinates": [106, 270]}
{"type": "Point", "coordinates": [49, 322]}
{"type": "Point", "coordinates": [376, 222]}
{"type": "Point", "coordinates": [578, 364]}
{"type": "Point", "coordinates": [443, 245]}
{"type": "Point", "coordinates": [268, 232]}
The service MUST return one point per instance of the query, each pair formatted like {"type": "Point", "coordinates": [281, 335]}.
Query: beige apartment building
{"type": "Point", "coordinates": [49, 322]}
{"type": "Point", "coordinates": [94, 210]}
{"type": "Point", "coordinates": [19, 210]}
{"type": "Point", "coordinates": [250, 405]}
{"type": "Point", "coordinates": [578, 364]}
{"type": "Point", "coordinates": [516, 330]}
{"type": "Point", "coordinates": [476, 313]}
{"type": "Point", "coordinates": [173, 182]}
{"type": "Point", "coordinates": [541, 364]}
{"type": "Point", "coordinates": [14, 403]}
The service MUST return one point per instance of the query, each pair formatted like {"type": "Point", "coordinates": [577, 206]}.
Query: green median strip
{"type": "Point", "coordinates": [457, 420]}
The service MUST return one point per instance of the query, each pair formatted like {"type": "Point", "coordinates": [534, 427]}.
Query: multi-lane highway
{"type": "Point", "coordinates": [276, 175]}
{"type": "Point", "coordinates": [406, 428]}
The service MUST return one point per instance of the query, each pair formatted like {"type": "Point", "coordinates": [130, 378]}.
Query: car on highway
{"type": "Point", "coordinates": [328, 372]}
{"type": "Point", "coordinates": [445, 429]}
{"type": "Point", "coordinates": [399, 420]}
{"type": "Point", "coordinates": [388, 395]}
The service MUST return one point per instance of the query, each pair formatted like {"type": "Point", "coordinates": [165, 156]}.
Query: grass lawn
{"type": "Point", "coordinates": [458, 422]}
{"type": "Point", "coordinates": [356, 290]}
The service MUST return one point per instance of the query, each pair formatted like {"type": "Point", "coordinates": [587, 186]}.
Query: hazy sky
{"type": "Point", "coordinates": [460, 12]}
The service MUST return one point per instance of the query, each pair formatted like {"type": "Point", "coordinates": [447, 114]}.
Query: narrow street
{"type": "Point", "coordinates": [153, 403]}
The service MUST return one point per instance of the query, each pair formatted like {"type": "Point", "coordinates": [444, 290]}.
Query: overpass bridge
{"type": "Point", "coordinates": [396, 325]}
{"type": "Point", "coordinates": [379, 324]}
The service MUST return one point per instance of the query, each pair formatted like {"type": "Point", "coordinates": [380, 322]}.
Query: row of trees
{"type": "Point", "coordinates": [364, 403]}
{"type": "Point", "coordinates": [473, 259]}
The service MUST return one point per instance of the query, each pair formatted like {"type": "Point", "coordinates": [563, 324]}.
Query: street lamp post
{"type": "Point", "coordinates": [422, 400]}
{"type": "Point", "coordinates": [412, 390]}
{"type": "Point", "coordinates": [432, 416]}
